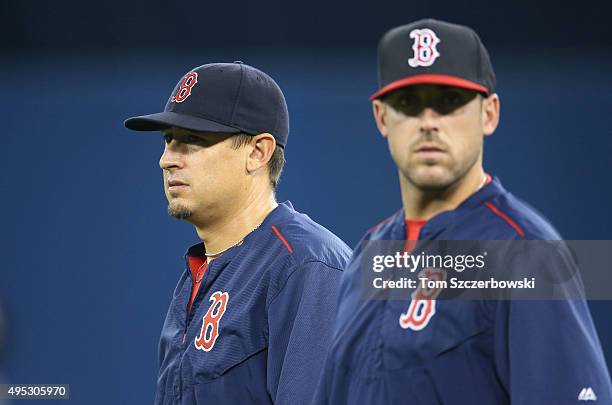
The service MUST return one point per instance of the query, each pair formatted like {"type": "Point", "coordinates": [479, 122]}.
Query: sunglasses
{"type": "Point", "coordinates": [443, 100]}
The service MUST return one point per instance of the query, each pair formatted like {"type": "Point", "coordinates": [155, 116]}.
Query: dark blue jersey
{"type": "Point", "coordinates": [464, 352]}
{"type": "Point", "coordinates": [260, 325]}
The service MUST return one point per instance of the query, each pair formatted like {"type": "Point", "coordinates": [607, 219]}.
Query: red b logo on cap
{"type": "Point", "coordinates": [425, 52]}
{"type": "Point", "coordinates": [184, 90]}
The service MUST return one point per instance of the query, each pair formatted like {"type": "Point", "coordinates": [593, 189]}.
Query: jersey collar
{"type": "Point", "coordinates": [442, 220]}
{"type": "Point", "coordinates": [278, 215]}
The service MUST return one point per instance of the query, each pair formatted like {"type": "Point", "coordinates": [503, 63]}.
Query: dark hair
{"type": "Point", "coordinates": [276, 162]}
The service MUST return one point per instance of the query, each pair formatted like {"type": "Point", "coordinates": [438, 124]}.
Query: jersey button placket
{"type": "Point", "coordinates": [196, 303]}
{"type": "Point", "coordinates": [185, 341]}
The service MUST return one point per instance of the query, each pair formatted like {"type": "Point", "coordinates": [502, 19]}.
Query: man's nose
{"type": "Point", "coordinates": [173, 156]}
{"type": "Point", "coordinates": [429, 120]}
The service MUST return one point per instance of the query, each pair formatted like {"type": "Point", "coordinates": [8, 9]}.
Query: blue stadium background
{"type": "Point", "coordinates": [90, 258]}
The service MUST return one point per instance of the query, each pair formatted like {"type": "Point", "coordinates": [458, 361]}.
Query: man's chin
{"type": "Point", "coordinates": [179, 211]}
{"type": "Point", "coordinates": [431, 179]}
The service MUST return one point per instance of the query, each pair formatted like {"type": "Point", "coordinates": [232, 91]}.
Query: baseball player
{"type": "Point", "coordinates": [250, 318]}
{"type": "Point", "coordinates": [435, 105]}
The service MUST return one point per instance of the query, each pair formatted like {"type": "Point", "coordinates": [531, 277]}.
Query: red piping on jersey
{"type": "Point", "coordinates": [282, 239]}
{"type": "Point", "coordinates": [506, 218]}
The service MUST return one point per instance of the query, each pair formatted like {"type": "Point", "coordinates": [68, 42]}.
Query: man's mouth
{"type": "Point", "coordinates": [430, 151]}
{"type": "Point", "coordinates": [176, 184]}
{"type": "Point", "coordinates": [429, 148]}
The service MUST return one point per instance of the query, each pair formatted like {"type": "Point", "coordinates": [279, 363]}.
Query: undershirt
{"type": "Point", "coordinates": [413, 227]}
{"type": "Point", "coordinates": [197, 265]}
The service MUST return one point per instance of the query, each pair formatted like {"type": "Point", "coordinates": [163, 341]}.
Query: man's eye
{"type": "Point", "coordinates": [407, 103]}
{"type": "Point", "coordinates": [407, 100]}
{"type": "Point", "coordinates": [452, 98]}
{"type": "Point", "coordinates": [168, 138]}
{"type": "Point", "coordinates": [193, 139]}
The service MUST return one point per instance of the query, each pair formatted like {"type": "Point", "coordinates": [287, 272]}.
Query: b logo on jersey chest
{"type": "Point", "coordinates": [423, 305]}
{"type": "Point", "coordinates": [210, 322]}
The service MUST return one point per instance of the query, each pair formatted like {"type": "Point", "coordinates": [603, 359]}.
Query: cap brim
{"type": "Point", "coordinates": [429, 79]}
{"type": "Point", "coordinates": [167, 119]}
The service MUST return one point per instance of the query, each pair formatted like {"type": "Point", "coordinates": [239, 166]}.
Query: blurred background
{"type": "Point", "coordinates": [90, 258]}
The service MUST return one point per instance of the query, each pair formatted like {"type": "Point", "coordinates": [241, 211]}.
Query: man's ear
{"type": "Point", "coordinates": [379, 109]}
{"type": "Point", "coordinates": [261, 148]}
{"type": "Point", "coordinates": [490, 113]}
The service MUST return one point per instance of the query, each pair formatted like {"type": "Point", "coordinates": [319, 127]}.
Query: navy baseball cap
{"type": "Point", "coordinates": [222, 97]}
{"type": "Point", "coordinates": [433, 52]}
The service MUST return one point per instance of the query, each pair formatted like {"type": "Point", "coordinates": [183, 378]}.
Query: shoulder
{"type": "Point", "coordinates": [516, 219]}
{"type": "Point", "coordinates": [386, 228]}
{"type": "Point", "coordinates": [306, 241]}
{"type": "Point", "coordinates": [306, 259]}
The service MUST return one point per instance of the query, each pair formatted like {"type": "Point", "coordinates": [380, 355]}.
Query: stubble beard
{"type": "Point", "coordinates": [454, 175]}
{"type": "Point", "coordinates": [179, 211]}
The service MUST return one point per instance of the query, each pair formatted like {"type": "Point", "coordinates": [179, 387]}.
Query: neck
{"type": "Point", "coordinates": [235, 223]}
{"type": "Point", "coordinates": [425, 204]}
